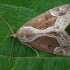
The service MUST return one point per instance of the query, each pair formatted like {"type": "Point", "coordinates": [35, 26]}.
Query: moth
{"type": "Point", "coordinates": [48, 31]}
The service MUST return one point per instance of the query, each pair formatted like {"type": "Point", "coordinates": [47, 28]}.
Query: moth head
{"type": "Point", "coordinates": [25, 34]}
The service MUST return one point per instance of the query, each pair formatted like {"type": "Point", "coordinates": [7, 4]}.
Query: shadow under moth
{"type": "Point", "coordinates": [49, 31]}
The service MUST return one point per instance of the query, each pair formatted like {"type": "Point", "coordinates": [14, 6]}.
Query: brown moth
{"type": "Point", "coordinates": [47, 31]}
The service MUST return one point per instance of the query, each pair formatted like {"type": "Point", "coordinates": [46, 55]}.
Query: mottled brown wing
{"type": "Point", "coordinates": [41, 22]}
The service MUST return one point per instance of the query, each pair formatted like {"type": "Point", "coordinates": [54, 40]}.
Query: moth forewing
{"type": "Point", "coordinates": [47, 31]}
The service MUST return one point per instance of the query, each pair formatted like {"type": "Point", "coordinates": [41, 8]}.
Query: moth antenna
{"type": "Point", "coordinates": [8, 25]}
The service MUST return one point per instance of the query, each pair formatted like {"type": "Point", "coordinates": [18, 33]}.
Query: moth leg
{"type": "Point", "coordinates": [62, 50]}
